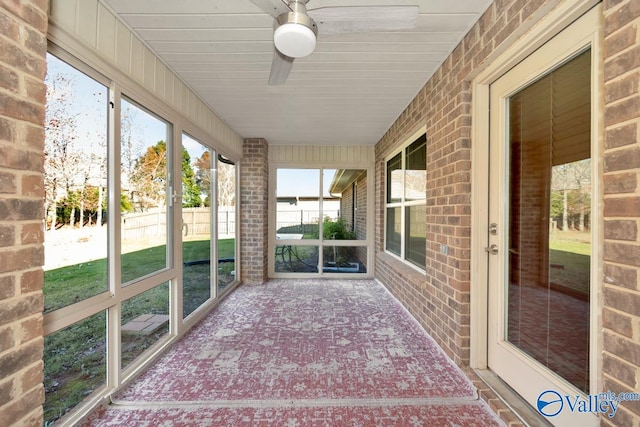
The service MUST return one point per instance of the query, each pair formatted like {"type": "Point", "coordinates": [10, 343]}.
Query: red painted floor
{"type": "Point", "coordinates": [302, 353]}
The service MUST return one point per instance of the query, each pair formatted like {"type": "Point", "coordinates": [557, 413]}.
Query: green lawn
{"type": "Point", "coordinates": [75, 357]}
{"type": "Point", "coordinates": [67, 285]}
{"type": "Point", "coordinates": [196, 280]}
{"type": "Point", "coordinates": [74, 365]}
{"type": "Point", "coordinates": [571, 246]}
{"type": "Point", "coordinates": [570, 261]}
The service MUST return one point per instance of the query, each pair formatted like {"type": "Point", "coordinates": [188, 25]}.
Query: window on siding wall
{"type": "Point", "coordinates": [406, 210]}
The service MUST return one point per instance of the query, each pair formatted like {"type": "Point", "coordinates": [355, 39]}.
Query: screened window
{"type": "Point", "coordinates": [76, 187]}
{"type": "Point", "coordinates": [406, 210]}
{"type": "Point", "coordinates": [226, 178]}
{"type": "Point", "coordinates": [113, 214]}
{"type": "Point", "coordinates": [75, 270]}
{"type": "Point", "coordinates": [321, 221]}
{"type": "Point", "coordinates": [144, 168]}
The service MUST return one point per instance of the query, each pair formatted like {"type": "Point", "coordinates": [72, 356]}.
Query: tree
{"type": "Point", "coordinates": [581, 174]}
{"type": "Point", "coordinates": [572, 181]}
{"type": "Point", "coordinates": [130, 146]}
{"type": "Point", "coordinates": [226, 183]}
{"type": "Point", "coordinates": [560, 182]}
{"type": "Point", "coordinates": [125, 203]}
{"type": "Point", "coordinates": [557, 204]}
{"type": "Point", "coordinates": [73, 160]}
{"type": "Point", "coordinates": [203, 175]}
{"type": "Point", "coordinates": [61, 132]}
{"type": "Point", "coordinates": [92, 172]}
{"type": "Point", "coordinates": [578, 203]}
{"type": "Point", "coordinates": [149, 177]}
{"type": "Point", "coordinates": [93, 203]}
{"type": "Point", "coordinates": [190, 187]}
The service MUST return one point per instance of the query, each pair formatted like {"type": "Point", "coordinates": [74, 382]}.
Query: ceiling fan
{"type": "Point", "coordinates": [296, 28]}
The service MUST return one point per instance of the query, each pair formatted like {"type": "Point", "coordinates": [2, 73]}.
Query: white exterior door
{"type": "Point", "coordinates": [540, 274]}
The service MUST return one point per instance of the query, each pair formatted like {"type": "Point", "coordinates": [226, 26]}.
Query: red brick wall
{"type": "Point", "coordinates": [621, 289]}
{"type": "Point", "coordinates": [361, 217]}
{"type": "Point", "coordinates": [23, 26]}
{"type": "Point", "coordinates": [346, 208]}
{"type": "Point", "coordinates": [440, 299]}
{"type": "Point", "coordinates": [254, 192]}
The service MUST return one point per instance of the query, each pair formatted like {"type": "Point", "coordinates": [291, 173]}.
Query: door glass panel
{"type": "Point", "coordinates": [226, 222]}
{"type": "Point", "coordinates": [75, 184]}
{"type": "Point", "coordinates": [549, 220]}
{"type": "Point", "coordinates": [196, 224]}
{"type": "Point", "coordinates": [144, 180]}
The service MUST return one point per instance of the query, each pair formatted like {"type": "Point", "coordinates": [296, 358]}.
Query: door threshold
{"type": "Point", "coordinates": [528, 415]}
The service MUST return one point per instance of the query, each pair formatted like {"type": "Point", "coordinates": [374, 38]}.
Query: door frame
{"type": "Point", "coordinates": [500, 61]}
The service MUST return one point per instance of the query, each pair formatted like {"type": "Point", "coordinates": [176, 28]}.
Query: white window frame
{"type": "Point", "coordinates": [111, 300]}
{"type": "Point", "coordinates": [367, 243]}
{"type": "Point", "coordinates": [403, 203]}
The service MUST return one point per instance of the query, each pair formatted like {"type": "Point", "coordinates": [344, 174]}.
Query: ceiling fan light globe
{"type": "Point", "coordinates": [294, 40]}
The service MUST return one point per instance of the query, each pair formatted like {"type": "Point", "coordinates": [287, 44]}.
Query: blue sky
{"type": "Point", "coordinates": [87, 101]}
{"type": "Point", "coordinates": [303, 182]}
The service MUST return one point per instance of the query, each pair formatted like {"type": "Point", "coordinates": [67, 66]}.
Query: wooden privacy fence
{"type": "Point", "coordinates": [195, 221]}
{"type": "Point", "coordinates": [302, 217]}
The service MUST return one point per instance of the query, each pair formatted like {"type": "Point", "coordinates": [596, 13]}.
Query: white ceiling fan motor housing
{"type": "Point", "coordinates": [295, 35]}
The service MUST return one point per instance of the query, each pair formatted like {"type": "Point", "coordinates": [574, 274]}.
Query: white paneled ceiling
{"type": "Point", "coordinates": [348, 92]}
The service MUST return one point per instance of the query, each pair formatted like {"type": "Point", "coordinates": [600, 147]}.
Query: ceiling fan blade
{"type": "Point", "coordinates": [358, 19]}
{"type": "Point", "coordinates": [272, 7]}
{"type": "Point", "coordinates": [280, 68]}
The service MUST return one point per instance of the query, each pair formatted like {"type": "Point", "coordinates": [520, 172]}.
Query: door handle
{"type": "Point", "coordinates": [493, 249]}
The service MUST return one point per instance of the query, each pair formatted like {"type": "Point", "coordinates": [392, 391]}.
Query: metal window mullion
{"type": "Point", "coordinates": [114, 245]}
{"type": "Point", "coordinates": [403, 168]}
{"type": "Point", "coordinates": [321, 222]}
{"type": "Point", "coordinates": [213, 234]}
{"type": "Point", "coordinates": [236, 225]}
{"type": "Point", "coordinates": [173, 230]}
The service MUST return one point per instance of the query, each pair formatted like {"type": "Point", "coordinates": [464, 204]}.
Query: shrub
{"type": "Point", "coordinates": [336, 230]}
